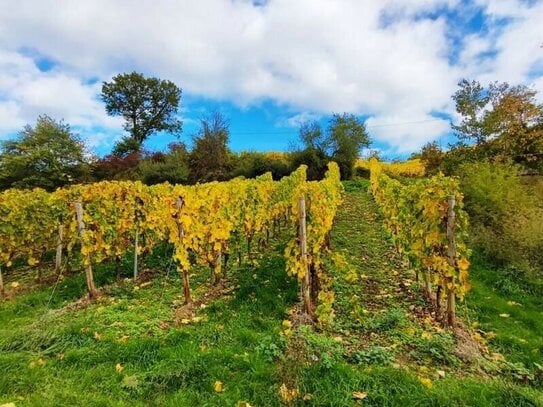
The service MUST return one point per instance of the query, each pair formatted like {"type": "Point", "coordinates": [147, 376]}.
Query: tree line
{"type": "Point", "coordinates": [500, 123]}
{"type": "Point", "coordinates": [50, 155]}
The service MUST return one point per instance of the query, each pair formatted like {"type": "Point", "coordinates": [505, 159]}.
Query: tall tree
{"type": "Point", "coordinates": [315, 152]}
{"type": "Point", "coordinates": [148, 105]}
{"type": "Point", "coordinates": [432, 156]}
{"type": "Point", "coordinates": [504, 121]}
{"type": "Point", "coordinates": [347, 136]}
{"type": "Point", "coordinates": [209, 158]}
{"type": "Point", "coordinates": [171, 166]}
{"type": "Point", "coordinates": [47, 155]}
{"type": "Point", "coordinates": [470, 101]}
{"type": "Point", "coordinates": [342, 141]}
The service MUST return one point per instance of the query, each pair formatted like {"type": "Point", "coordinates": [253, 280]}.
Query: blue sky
{"type": "Point", "coordinates": [267, 66]}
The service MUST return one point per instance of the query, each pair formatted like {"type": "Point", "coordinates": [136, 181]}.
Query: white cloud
{"type": "Point", "coordinates": [26, 92]}
{"type": "Point", "coordinates": [312, 56]}
{"type": "Point", "coordinates": [298, 119]}
{"type": "Point", "coordinates": [404, 134]}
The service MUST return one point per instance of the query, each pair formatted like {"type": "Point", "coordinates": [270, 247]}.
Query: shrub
{"type": "Point", "coordinates": [506, 221]}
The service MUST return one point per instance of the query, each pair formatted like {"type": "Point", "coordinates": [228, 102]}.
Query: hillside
{"type": "Point", "coordinates": [244, 342]}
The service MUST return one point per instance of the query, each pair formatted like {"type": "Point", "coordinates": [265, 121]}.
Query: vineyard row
{"type": "Point", "coordinates": [429, 227]}
{"type": "Point", "coordinates": [205, 223]}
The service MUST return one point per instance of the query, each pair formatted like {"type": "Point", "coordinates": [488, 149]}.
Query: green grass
{"type": "Point", "coordinates": [52, 355]}
{"type": "Point", "coordinates": [508, 307]}
{"type": "Point", "coordinates": [54, 352]}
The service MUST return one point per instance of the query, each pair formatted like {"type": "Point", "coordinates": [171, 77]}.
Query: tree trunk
{"type": "Point", "coordinates": [186, 287]}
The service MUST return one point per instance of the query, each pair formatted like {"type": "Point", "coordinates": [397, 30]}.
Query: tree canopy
{"type": "Point", "coordinates": [148, 105]}
{"type": "Point", "coordinates": [342, 141]}
{"type": "Point", "coordinates": [209, 158]}
{"type": "Point", "coordinates": [47, 155]}
{"type": "Point", "coordinates": [502, 120]}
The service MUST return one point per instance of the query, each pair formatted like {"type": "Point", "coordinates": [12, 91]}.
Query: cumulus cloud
{"type": "Point", "coordinates": [26, 92]}
{"type": "Point", "coordinates": [405, 135]}
{"type": "Point", "coordinates": [387, 59]}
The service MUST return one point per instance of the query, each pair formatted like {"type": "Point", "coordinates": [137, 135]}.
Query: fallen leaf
{"type": "Point", "coordinates": [119, 368]}
{"type": "Point", "coordinates": [498, 357]}
{"type": "Point", "coordinates": [359, 395]}
{"type": "Point", "coordinates": [504, 315]}
{"type": "Point", "coordinates": [440, 373]}
{"type": "Point", "coordinates": [288, 395]}
{"type": "Point", "coordinates": [426, 382]}
{"type": "Point", "coordinates": [218, 387]}
{"type": "Point", "coordinates": [97, 336]}
{"type": "Point", "coordinates": [426, 335]}
{"type": "Point", "coordinates": [7, 405]}
{"type": "Point", "coordinates": [14, 284]}
{"type": "Point", "coordinates": [409, 331]}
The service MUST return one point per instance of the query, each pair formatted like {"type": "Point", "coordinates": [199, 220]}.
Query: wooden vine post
{"type": "Point", "coordinates": [87, 259]}
{"type": "Point", "coordinates": [181, 233]}
{"type": "Point", "coordinates": [2, 293]}
{"type": "Point", "coordinates": [306, 283]}
{"type": "Point", "coordinates": [136, 244]}
{"type": "Point", "coordinates": [58, 257]}
{"type": "Point", "coordinates": [137, 215]}
{"type": "Point", "coordinates": [217, 266]}
{"type": "Point", "coordinates": [451, 252]}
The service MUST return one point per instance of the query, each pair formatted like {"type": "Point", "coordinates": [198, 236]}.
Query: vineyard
{"type": "Point", "coordinates": [205, 223]}
{"type": "Point", "coordinates": [409, 168]}
{"type": "Point", "coordinates": [288, 292]}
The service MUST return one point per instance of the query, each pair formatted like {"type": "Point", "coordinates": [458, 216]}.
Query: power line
{"type": "Point", "coordinates": [405, 123]}
{"type": "Point", "coordinates": [287, 132]}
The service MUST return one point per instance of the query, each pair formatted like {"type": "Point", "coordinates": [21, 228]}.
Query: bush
{"type": "Point", "coordinates": [171, 167]}
{"type": "Point", "coordinates": [251, 164]}
{"type": "Point", "coordinates": [506, 221]}
{"type": "Point", "coordinates": [362, 172]}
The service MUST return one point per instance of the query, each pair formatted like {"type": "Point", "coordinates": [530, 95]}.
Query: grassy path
{"type": "Point", "coordinates": [386, 345]}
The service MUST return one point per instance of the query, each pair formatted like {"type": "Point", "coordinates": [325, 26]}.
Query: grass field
{"type": "Point", "coordinates": [134, 346]}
